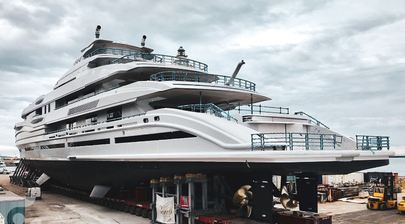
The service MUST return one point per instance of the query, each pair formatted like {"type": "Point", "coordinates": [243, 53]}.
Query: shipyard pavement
{"type": "Point", "coordinates": [59, 209]}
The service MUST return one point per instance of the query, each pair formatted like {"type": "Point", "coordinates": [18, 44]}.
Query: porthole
{"type": "Point", "coordinates": [156, 118]}
{"type": "Point", "coordinates": [145, 120]}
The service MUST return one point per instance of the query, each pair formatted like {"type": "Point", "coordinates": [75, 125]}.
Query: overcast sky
{"type": "Point", "coordinates": [341, 61]}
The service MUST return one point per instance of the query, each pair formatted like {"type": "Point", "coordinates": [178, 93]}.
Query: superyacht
{"type": "Point", "coordinates": [123, 114]}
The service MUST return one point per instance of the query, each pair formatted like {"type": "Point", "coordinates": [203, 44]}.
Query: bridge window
{"type": "Point", "coordinates": [38, 111]}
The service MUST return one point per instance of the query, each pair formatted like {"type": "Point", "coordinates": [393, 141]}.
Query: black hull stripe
{"type": "Point", "coordinates": [154, 137]}
{"type": "Point", "coordinates": [53, 146]}
{"type": "Point", "coordinates": [92, 142]}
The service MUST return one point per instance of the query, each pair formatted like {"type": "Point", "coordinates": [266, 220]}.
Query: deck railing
{"type": "Point", "coordinates": [208, 108]}
{"type": "Point", "coordinates": [206, 78]}
{"type": "Point", "coordinates": [312, 119]}
{"type": "Point", "coordinates": [261, 109]}
{"type": "Point", "coordinates": [295, 141]}
{"type": "Point", "coordinates": [369, 142]}
{"type": "Point", "coordinates": [113, 51]}
{"type": "Point", "coordinates": [129, 56]}
{"type": "Point", "coordinates": [92, 124]}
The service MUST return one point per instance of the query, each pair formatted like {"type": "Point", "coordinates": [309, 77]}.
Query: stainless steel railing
{"type": "Point", "coordinates": [295, 141]}
{"type": "Point", "coordinates": [262, 109]}
{"type": "Point", "coordinates": [312, 119]}
{"type": "Point", "coordinates": [369, 142]}
{"type": "Point", "coordinates": [208, 108]}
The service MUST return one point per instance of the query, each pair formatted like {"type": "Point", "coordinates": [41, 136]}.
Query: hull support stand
{"type": "Point", "coordinates": [262, 188]}
{"type": "Point", "coordinates": [307, 192]}
{"type": "Point", "coordinates": [25, 175]}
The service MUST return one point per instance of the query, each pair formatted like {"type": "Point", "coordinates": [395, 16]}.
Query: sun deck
{"type": "Point", "coordinates": [129, 55]}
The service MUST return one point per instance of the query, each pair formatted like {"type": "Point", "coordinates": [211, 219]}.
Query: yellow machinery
{"type": "Point", "coordinates": [401, 206]}
{"type": "Point", "coordinates": [383, 196]}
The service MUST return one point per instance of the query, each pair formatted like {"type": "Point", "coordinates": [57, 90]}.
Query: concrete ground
{"type": "Point", "coordinates": [346, 212]}
{"type": "Point", "coordinates": [370, 217]}
{"type": "Point", "coordinates": [55, 208]}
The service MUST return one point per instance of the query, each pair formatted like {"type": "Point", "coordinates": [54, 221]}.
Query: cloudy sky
{"type": "Point", "coordinates": [341, 61]}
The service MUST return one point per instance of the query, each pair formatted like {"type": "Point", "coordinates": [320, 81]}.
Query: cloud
{"type": "Point", "coordinates": [341, 61]}
{"type": "Point", "coordinates": [7, 150]}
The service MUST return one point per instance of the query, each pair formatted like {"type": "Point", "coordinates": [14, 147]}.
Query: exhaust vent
{"type": "Point", "coordinates": [83, 107]}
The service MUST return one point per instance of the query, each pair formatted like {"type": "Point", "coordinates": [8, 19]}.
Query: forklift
{"type": "Point", "coordinates": [383, 196]}
{"type": "Point", "coordinates": [401, 206]}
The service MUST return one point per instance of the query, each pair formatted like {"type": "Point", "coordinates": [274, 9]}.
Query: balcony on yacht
{"type": "Point", "coordinates": [219, 80]}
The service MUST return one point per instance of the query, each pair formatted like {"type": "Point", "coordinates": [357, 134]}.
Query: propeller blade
{"type": "Point", "coordinates": [242, 195]}
{"type": "Point", "coordinates": [249, 209]}
{"type": "Point", "coordinates": [241, 199]}
{"type": "Point", "coordinates": [292, 203]}
{"type": "Point", "coordinates": [287, 202]}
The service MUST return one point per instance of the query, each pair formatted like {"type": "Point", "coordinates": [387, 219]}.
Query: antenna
{"type": "Point", "coordinates": [97, 33]}
{"type": "Point", "coordinates": [143, 40]}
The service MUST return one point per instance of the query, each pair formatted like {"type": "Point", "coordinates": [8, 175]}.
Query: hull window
{"type": "Point", "coordinates": [154, 137]}
{"type": "Point", "coordinates": [53, 146]}
{"type": "Point", "coordinates": [28, 149]}
{"type": "Point", "coordinates": [70, 126]}
{"type": "Point", "coordinates": [38, 111]}
{"type": "Point", "coordinates": [91, 120]}
{"type": "Point", "coordinates": [91, 142]}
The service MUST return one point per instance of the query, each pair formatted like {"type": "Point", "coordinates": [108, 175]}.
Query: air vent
{"type": "Point", "coordinates": [83, 107]}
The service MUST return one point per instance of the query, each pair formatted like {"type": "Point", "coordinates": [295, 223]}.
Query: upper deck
{"type": "Point", "coordinates": [131, 53]}
{"type": "Point", "coordinates": [105, 52]}
{"type": "Point", "coordinates": [130, 56]}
